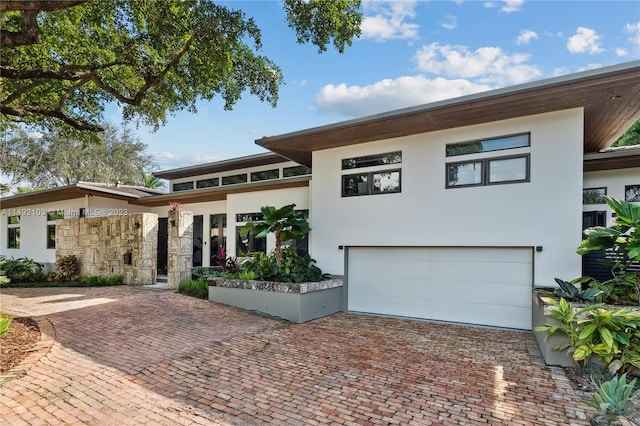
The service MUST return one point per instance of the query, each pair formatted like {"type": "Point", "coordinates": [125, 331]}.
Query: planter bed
{"type": "Point", "coordinates": [296, 302]}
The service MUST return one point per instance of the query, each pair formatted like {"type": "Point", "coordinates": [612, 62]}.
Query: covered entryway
{"type": "Point", "coordinates": [475, 285]}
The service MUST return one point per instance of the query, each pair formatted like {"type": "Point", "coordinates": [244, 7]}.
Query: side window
{"type": "Point", "coordinates": [377, 178]}
{"type": "Point", "coordinates": [475, 168]}
{"type": "Point", "coordinates": [13, 232]}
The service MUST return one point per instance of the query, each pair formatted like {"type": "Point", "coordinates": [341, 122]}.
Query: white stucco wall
{"type": "Point", "coordinates": [543, 212]}
{"type": "Point", "coordinates": [614, 181]}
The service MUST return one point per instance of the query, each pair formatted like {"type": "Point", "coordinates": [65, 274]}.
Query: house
{"type": "Point", "coordinates": [450, 211]}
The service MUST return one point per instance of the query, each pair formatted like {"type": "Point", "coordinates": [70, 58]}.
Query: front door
{"type": "Point", "coordinates": [197, 240]}
{"type": "Point", "coordinates": [163, 243]}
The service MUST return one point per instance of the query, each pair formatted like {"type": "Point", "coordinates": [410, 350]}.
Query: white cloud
{"type": "Point", "coordinates": [389, 20]}
{"type": "Point", "coordinates": [489, 65]}
{"type": "Point", "coordinates": [512, 5]}
{"type": "Point", "coordinates": [450, 22]}
{"type": "Point", "coordinates": [584, 40]}
{"type": "Point", "coordinates": [526, 36]}
{"type": "Point", "coordinates": [508, 6]}
{"type": "Point", "coordinates": [634, 30]}
{"type": "Point", "coordinates": [388, 94]}
{"type": "Point", "coordinates": [620, 52]}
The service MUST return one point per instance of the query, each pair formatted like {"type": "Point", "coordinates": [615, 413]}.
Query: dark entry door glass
{"type": "Point", "coordinates": [163, 242]}
{"type": "Point", "coordinates": [197, 240]}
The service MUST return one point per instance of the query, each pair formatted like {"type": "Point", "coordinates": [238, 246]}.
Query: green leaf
{"type": "Point", "coordinates": [606, 337]}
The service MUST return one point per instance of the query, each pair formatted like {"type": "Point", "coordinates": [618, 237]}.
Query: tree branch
{"type": "Point", "coordinates": [27, 111]}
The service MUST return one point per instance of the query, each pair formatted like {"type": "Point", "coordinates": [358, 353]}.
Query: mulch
{"type": "Point", "coordinates": [16, 345]}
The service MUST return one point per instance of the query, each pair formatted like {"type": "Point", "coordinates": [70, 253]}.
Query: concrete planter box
{"type": "Point", "coordinates": [539, 317]}
{"type": "Point", "coordinates": [296, 302]}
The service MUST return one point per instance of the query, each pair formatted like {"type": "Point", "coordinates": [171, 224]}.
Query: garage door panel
{"type": "Point", "coordinates": [489, 286]}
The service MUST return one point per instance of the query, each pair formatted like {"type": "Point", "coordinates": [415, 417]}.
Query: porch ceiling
{"type": "Point", "coordinates": [610, 97]}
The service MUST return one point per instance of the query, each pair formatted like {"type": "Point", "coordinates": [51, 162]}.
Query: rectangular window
{"type": "Point", "coordinates": [295, 171]}
{"type": "Point", "coordinates": [488, 145]}
{"type": "Point", "coordinates": [594, 195]}
{"type": "Point", "coordinates": [218, 239]}
{"type": "Point", "coordinates": [13, 220]}
{"type": "Point", "coordinates": [372, 160]}
{"type": "Point", "coordinates": [13, 237]}
{"type": "Point", "coordinates": [488, 171]}
{"type": "Point", "coordinates": [55, 215]}
{"type": "Point", "coordinates": [382, 182]}
{"type": "Point", "coordinates": [51, 236]}
{"type": "Point", "coordinates": [247, 243]}
{"type": "Point", "coordinates": [184, 186]}
{"type": "Point", "coordinates": [234, 179]}
{"type": "Point", "coordinates": [265, 175]}
{"type": "Point", "coordinates": [207, 183]}
{"type": "Point", "coordinates": [249, 217]}
{"type": "Point", "coordinates": [632, 193]}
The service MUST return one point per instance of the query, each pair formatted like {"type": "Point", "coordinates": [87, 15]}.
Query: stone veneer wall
{"type": "Point", "coordinates": [101, 243]}
{"type": "Point", "coordinates": [180, 247]}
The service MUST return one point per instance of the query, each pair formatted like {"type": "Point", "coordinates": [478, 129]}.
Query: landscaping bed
{"type": "Point", "coordinates": [15, 346]}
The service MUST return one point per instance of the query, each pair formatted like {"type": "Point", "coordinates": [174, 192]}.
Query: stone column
{"type": "Point", "coordinates": [180, 247]}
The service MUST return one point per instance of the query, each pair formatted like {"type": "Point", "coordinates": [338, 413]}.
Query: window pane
{"type": "Point", "coordinates": [14, 220]}
{"type": "Point", "coordinates": [249, 217]}
{"type": "Point", "coordinates": [231, 180]}
{"type": "Point", "coordinates": [55, 215]}
{"type": "Point", "coordinates": [51, 236]}
{"type": "Point", "coordinates": [488, 145]}
{"type": "Point", "coordinates": [185, 186]}
{"type": "Point", "coordinates": [464, 174]}
{"type": "Point", "coordinates": [386, 182]}
{"type": "Point", "coordinates": [207, 183]}
{"type": "Point", "coordinates": [632, 193]}
{"type": "Point", "coordinates": [246, 243]}
{"type": "Point", "coordinates": [265, 175]}
{"type": "Point", "coordinates": [13, 238]}
{"type": "Point", "coordinates": [372, 160]}
{"type": "Point", "coordinates": [508, 170]}
{"type": "Point", "coordinates": [295, 171]}
{"type": "Point", "coordinates": [355, 185]}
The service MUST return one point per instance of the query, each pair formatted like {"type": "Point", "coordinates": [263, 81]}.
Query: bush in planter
{"type": "Point", "coordinates": [613, 336]}
{"type": "Point", "coordinates": [198, 288]}
{"type": "Point", "coordinates": [22, 269]}
{"type": "Point", "coordinates": [293, 268]}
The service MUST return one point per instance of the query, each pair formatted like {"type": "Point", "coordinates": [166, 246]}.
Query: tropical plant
{"type": "Point", "coordinates": [102, 280]}
{"type": "Point", "coordinates": [616, 397]}
{"type": "Point", "coordinates": [285, 223]}
{"type": "Point", "coordinates": [3, 274]}
{"type": "Point", "coordinates": [571, 292]}
{"type": "Point", "coordinates": [67, 266]}
{"type": "Point", "coordinates": [5, 323]}
{"type": "Point", "coordinates": [22, 269]}
{"type": "Point", "coordinates": [151, 181]}
{"type": "Point", "coordinates": [622, 239]}
{"type": "Point", "coordinates": [293, 268]}
{"type": "Point", "coordinates": [611, 335]}
{"type": "Point", "coordinates": [175, 206]}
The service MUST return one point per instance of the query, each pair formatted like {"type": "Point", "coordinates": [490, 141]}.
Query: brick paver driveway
{"type": "Point", "coordinates": [126, 355]}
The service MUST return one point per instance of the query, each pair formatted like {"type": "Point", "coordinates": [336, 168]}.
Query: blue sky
{"type": "Point", "coordinates": [410, 53]}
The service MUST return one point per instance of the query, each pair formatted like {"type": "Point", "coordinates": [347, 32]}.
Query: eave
{"type": "Point", "coordinates": [618, 158]}
{"type": "Point", "coordinates": [222, 166]}
{"type": "Point", "coordinates": [610, 97]}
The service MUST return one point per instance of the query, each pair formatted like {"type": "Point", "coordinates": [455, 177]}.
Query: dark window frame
{"type": "Point", "coordinates": [51, 242]}
{"type": "Point", "coordinates": [370, 188]}
{"type": "Point", "coordinates": [200, 184]}
{"type": "Point", "coordinates": [295, 171]}
{"type": "Point", "coordinates": [225, 179]}
{"type": "Point", "coordinates": [13, 237]}
{"type": "Point", "coordinates": [460, 144]}
{"type": "Point", "coordinates": [486, 170]}
{"type": "Point", "coordinates": [54, 215]}
{"type": "Point", "coordinates": [259, 175]}
{"type": "Point", "coordinates": [381, 162]}
{"type": "Point", "coordinates": [177, 187]}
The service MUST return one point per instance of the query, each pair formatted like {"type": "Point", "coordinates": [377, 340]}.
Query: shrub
{"type": "Point", "coordinates": [611, 335]}
{"type": "Point", "coordinates": [570, 292]}
{"type": "Point", "coordinates": [22, 269]}
{"type": "Point", "coordinates": [102, 280]}
{"type": "Point", "coordinates": [615, 398]}
{"type": "Point", "coordinates": [198, 288]}
{"type": "Point", "coordinates": [67, 266]}
{"type": "Point", "coordinates": [293, 267]}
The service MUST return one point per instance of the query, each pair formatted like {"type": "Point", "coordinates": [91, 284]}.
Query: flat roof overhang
{"type": "Point", "coordinates": [222, 166]}
{"type": "Point", "coordinates": [60, 194]}
{"type": "Point", "coordinates": [610, 97]}
{"type": "Point", "coordinates": [220, 193]}
{"type": "Point", "coordinates": [616, 158]}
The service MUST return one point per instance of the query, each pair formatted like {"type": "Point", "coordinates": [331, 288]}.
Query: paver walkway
{"type": "Point", "coordinates": [126, 355]}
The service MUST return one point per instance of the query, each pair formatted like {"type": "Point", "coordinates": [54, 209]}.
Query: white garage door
{"type": "Point", "coordinates": [487, 286]}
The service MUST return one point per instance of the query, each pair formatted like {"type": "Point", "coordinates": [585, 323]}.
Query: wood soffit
{"type": "Point", "coordinates": [611, 102]}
